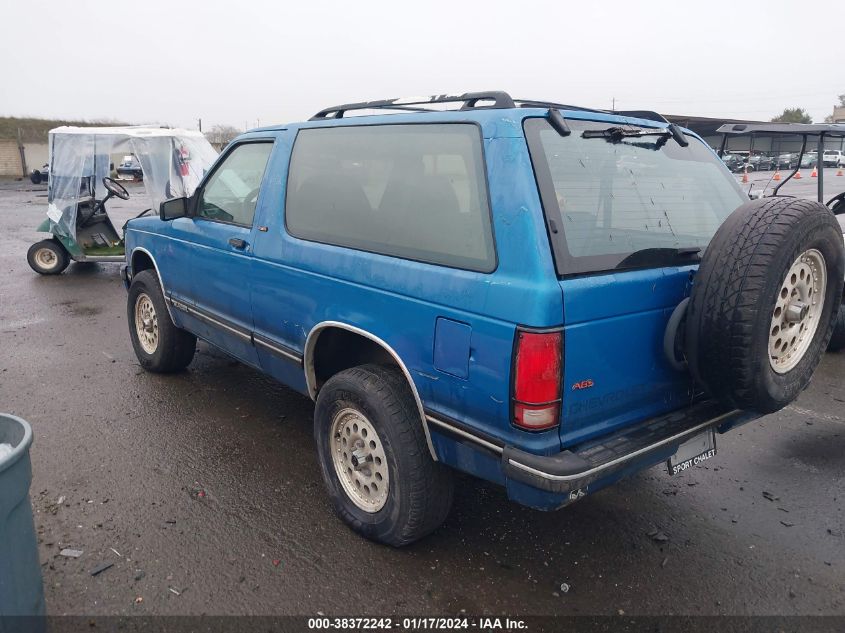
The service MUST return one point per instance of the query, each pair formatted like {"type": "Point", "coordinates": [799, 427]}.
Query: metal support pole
{"type": "Point", "coordinates": [820, 167]}
{"type": "Point", "coordinates": [23, 154]}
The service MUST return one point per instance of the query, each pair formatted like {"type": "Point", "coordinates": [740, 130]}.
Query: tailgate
{"type": "Point", "coordinates": [615, 373]}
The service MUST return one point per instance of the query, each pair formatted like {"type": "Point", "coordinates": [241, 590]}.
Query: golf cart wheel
{"type": "Point", "coordinates": [763, 302]}
{"type": "Point", "coordinates": [47, 257]}
{"type": "Point", "coordinates": [374, 458]}
{"type": "Point", "coordinates": [35, 177]}
{"type": "Point", "coordinates": [160, 346]}
{"type": "Point", "coordinates": [837, 340]}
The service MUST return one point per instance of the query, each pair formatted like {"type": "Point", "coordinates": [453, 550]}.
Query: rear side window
{"type": "Point", "coordinates": [411, 191]}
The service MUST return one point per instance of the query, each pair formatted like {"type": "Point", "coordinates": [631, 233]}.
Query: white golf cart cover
{"type": "Point", "coordinates": [173, 162]}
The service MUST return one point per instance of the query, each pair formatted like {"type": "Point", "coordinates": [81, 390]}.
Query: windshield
{"type": "Point", "coordinates": [609, 200]}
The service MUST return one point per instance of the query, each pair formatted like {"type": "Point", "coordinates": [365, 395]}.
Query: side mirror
{"type": "Point", "coordinates": [173, 208]}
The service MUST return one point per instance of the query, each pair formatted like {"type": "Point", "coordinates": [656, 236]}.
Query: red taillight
{"type": "Point", "coordinates": [536, 380]}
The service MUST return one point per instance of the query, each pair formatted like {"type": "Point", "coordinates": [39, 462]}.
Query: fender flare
{"type": "Point", "coordinates": [131, 255]}
{"type": "Point", "coordinates": [311, 377]}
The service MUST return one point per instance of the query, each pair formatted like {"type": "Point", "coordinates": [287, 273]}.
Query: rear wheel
{"type": "Point", "coordinates": [47, 257]}
{"type": "Point", "coordinates": [763, 302]}
{"type": "Point", "coordinates": [35, 177]}
{"type": "Point", "coordinates": [160, 346]}
{"type": "Point", "coordinates": [374, 458]}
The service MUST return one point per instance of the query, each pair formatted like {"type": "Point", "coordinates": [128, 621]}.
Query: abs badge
{"type": "Point", "coordinates": [584, 384]}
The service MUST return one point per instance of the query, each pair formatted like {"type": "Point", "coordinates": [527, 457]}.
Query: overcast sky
{"type": "Point", "coordinates": [253, 60]}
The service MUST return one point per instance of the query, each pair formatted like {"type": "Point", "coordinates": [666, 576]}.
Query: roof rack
{"type": "Point", "coordinates": [469, 99]}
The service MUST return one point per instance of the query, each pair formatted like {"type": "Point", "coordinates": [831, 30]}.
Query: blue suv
{"type": "Point", "coordinates": [544, 296]}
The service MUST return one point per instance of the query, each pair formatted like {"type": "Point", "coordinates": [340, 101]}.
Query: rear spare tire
{"type": "Point", "coordinates": [763, 302]}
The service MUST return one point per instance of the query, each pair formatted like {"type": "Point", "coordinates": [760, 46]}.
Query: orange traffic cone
{"type": "Point", "coordinates": [839, 173]}
{"type": "Point", "coordinates": [815, 173]}
{"type": "Point", "coordinates": [776, 177]}
{"type": "Point", "coordinates": [745, 175]}
{"type": "Point", "coordinates": [797, 176]}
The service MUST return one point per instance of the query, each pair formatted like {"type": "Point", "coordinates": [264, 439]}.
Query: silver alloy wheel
{"type": "Point", "coordinates": [798, 310]}
{"type": "Point", "coordinates": [359, 459]}
{"type": "Point", "coordinates": [46, 258]}
{"type": "Point", "coordinates": [146, 323]}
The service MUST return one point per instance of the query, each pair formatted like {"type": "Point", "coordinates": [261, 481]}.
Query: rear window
{"type": "Point", "coordinates": [411, 191]}
{"type": "Point", "coordinates": [611, 203]}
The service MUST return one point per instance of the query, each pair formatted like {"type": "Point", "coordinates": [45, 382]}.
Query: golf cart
{"type": "Point", "coordinates": [806, 131]}
{"type": "Point", "coordinates": [79, 216]}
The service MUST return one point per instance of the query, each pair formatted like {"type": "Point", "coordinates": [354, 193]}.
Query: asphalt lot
{"type": "Point", "coordinates": [806, 187]}
{"type": "Point", "coordinates": [203, 489]}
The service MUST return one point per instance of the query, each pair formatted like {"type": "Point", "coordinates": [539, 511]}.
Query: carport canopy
{"type": "Point", "coordinates": [805, 130]}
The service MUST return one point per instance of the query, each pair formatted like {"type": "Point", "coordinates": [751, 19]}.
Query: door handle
{"type": "Point", "coordinates": [237, 243]}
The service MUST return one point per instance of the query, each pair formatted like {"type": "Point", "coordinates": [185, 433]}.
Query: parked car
{"type": "Point", "coordinates": [808, 160]}
{"type": "Point", "coordinates": [833, 158]}
{"type": "Point", "coordinates": [734, 162]}
{"type": "Point", "coordinates": [783, 161]}
{"type": "Point", "coordinates": [545, 297]}
{"type": "Point", "coordinates": [130, 168]}
{"type": "Point", "coordinates": [37, 176]}
{"type": "Point", "coordinates": [760, 162]}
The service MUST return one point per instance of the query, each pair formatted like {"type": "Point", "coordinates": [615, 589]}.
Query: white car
{"type": "Point", "coordinates": [833, 158]}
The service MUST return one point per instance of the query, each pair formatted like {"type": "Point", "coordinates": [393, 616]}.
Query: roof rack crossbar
{"type": "Point", "coordinates": [534, 103]}
{"type": "Point", "coordinates": [637, 114]}
{"type": "Point", "coordinates": [649, 115]}
{"type": "Point", "coordinates": [470, 100]}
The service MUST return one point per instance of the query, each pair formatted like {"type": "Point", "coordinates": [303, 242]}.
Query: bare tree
{"type": "Point", "coordinates": [221, 135]}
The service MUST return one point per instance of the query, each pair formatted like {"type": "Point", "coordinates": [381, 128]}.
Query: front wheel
{"type": "Point", "coordinates": [160, 346]}
{"type": "Point", "coordinates": [47, 257]}
{"type": "Point", "coordinates": [374, 458]}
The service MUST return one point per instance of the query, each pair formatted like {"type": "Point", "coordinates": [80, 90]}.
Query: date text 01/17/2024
{"type": "Point", "coordinates": [417, 623]}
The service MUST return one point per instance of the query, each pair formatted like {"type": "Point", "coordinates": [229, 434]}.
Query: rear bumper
{"type": "Point", "coordinates": [650, 442]}
{"type": "Point", "coordinates": [569, 475]}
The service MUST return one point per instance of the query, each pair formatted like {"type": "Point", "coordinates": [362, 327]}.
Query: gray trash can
{"type": "Point", "coordinates": [21, 589]}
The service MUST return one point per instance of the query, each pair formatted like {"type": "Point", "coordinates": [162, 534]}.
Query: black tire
{"type": "Point", "coordinates": [837, 339]}
{"type": "Point", "coordinates": [47, 257]}
{"type": "Point", "coordinates": [734, 296]}
{"type": "Point", "coordinates": [174, 348]}
{"type": "Point", "coordinates": [35, 177]}
{"type": "Point", "coordinates": [420, 490]}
